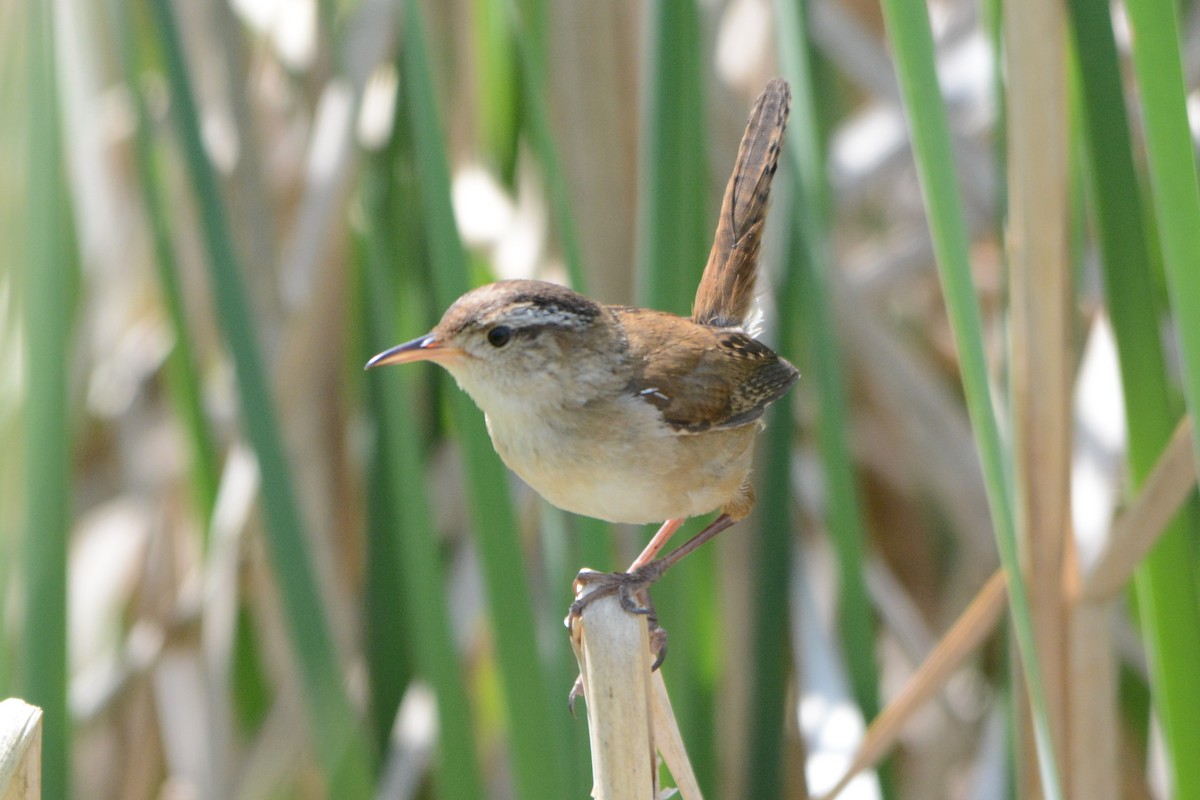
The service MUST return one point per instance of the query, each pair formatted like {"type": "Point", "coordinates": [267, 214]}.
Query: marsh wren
{"type": "Point", "coordinates": [628, 414]}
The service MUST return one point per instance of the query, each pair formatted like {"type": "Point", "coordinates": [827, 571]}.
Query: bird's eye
{"type": "Point", "coordinates": [499, 335]}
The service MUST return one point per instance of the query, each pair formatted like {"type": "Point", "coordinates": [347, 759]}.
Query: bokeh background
{"type": "Point", "coordinates": [234, 565]}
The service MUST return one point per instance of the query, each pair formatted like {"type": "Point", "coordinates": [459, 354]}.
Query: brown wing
{"type": "Point", "coordinates": [701, 377]}
{"type": "Point", "coordinates": [726, 289]}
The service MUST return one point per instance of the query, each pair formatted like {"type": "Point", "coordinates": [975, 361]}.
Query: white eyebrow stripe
{"type": "Point", "coordinates": [653, 390]}
{"type": "Point", "coordinates": [543, 315]}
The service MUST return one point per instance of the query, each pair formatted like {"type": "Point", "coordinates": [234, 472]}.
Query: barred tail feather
{"type": "Point", "coordinates": [726, 292]}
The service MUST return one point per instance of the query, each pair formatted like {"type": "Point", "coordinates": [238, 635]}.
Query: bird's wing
{"type": "Point", "coordinates": [701, 378]}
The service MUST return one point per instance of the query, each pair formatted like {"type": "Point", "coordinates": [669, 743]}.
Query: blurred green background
{"type": "Point", "coordinates": [234, 565]}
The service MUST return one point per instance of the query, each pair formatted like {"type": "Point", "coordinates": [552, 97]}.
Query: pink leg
{"type": "Point", "coordinates": [657, 543]}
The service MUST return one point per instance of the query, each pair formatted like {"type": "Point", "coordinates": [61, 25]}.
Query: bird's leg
{"type": "Point", "coordinates": [611, 581]}
{"type": "Point", "coordinates": [646, 574]}
{"type": "Point", "coordinates": [642, 573]}
{"type": "Point", "coordinates": [657, 543]}
{"type": "Point", "coordinates": [651, 550]}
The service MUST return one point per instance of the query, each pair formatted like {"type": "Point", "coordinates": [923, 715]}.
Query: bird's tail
{"type": "Point", "coordinates": [726, 292]}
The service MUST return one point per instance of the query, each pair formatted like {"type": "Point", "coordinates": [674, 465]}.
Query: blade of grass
{"type": "Point", "coordinates": [1166, 587]}
{"type": "Point", "coordinates": [415, 547]}
{"type": "Point", "coordinates": [533, 35]}
{"type": "Point", "coordinates": [533, 98]}
{"type": "Point", "coordinates": [182, 374]}
{"type": "Point", "coordinates": [337, 735]}
{"type": "Point", "coordinates": [912, 40]}
{"type": "Point", "coordinates": [770, 658]}
{"type": "Point", "coordinates": [807, 168]}
{"type": "Point", "coordinates": [531, 724]}
{"type": "Point", "coordinates": [592, 540]}
{"type": "Point", "coordinates": [47, 317]}
{"type": "Point", "coordinates": [1165, 580]}
{"type": "Point", "coordinates": [387, 238]}
{"type": "Point", "coordinates": [250, 688]}
{"type": "Point", "coordinates": [673, 232]}
{"type": "Point", "coordinates": [593, 533]}
{"type": "Point", "coordinates": [1112, 195]}
{"type": "Point", "coordinates": [1173, 181]}
{"type": "Point", "coordinates": [387, 630]}
{"type": "Point", "coordinates": [1122, 237]}
{"type": "Point", "coordinates": [496, 85]}
{"type": "Point", "coordinates": [673, 236]}
{"type": "Point", "coordinates": [15, 43]}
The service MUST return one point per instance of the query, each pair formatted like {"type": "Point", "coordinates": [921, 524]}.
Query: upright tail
{"type": "Point", "coordinates": [726, 291]}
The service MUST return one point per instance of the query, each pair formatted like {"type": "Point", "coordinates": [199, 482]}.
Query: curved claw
{"type": "Point", "coordinates": [627, 585]}
{"type": "Point", "coordinates": [575, 693]}
{"type": "Point", "coordinates": [658, 643]}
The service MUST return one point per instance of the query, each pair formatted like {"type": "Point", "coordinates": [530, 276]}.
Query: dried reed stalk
{"type": "Point", "coordinates": [629, 714]}
{"type": "Point", "coordinates": [20, 750]}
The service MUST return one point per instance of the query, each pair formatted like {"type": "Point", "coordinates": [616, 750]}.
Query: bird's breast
{"type": "Point", "coordinates": [616, 460]}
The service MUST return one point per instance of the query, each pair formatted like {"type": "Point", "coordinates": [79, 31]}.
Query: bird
{"type": "Point", "coordinates": [630, 415]}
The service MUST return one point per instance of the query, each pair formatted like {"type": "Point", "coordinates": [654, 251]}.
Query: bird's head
{"type": "Point", "coordinates": [526, 342]}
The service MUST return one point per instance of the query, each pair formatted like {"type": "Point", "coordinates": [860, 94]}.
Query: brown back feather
{"type": "Point", "coordinates": [726, 290]}
{"type": "Point", "coordinates": [699, 377]}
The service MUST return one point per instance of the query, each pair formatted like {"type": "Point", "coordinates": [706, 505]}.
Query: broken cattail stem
{"type": "Point", "coordinates": [628, 712]}
{"type": "Point", "coordinates": [20, 750]}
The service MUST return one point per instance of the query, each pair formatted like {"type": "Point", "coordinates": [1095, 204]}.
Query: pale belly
{"type": "Point", "coordinates": [639, 473]}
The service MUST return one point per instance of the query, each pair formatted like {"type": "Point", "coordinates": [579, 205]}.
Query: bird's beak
{"type": "Point", "coordinates": [425, 348]}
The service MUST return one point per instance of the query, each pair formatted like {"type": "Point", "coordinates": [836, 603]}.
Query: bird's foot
{"type": "Point", "coordinates": [633, 592]}
{"type": "Point", "coordinates": [626, 585]}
